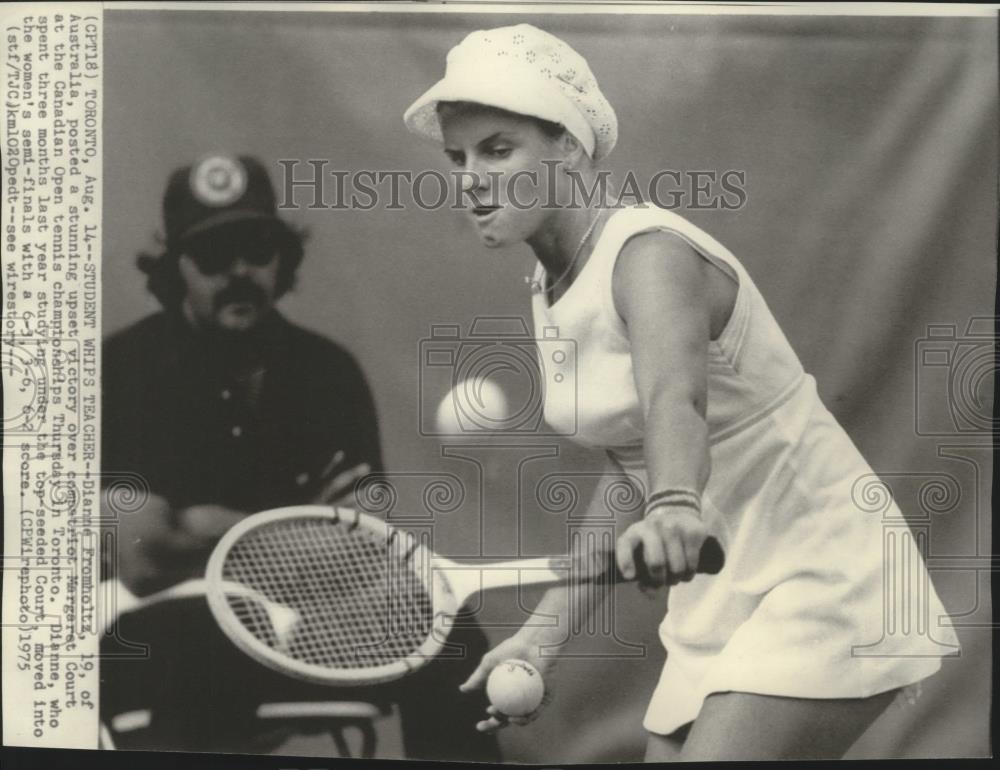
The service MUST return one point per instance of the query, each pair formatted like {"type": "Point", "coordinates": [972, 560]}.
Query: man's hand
{"type": "Point", "coordinates": [154, 548]}
{"type": "Point", "coordinates": [339, 488]}
{"type": "Point", "coordinates": [670, 539]}
{"type": "Point", "coordinates": [208, 522]}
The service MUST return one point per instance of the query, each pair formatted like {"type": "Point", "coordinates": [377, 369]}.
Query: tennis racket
{"type": "Point", "coordinates": [334, 596]}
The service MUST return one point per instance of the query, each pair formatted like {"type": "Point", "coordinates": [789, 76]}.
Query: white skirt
{"type": "Point", "coordinates": [821, 596]}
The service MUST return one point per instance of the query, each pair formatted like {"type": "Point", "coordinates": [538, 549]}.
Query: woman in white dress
{"type": "Point", "coordinates": [685, 378]}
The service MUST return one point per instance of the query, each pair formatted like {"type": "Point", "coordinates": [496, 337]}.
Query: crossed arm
{"type": "Point", "coordinates": [158, 546]}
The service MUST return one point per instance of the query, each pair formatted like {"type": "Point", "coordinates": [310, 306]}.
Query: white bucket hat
{"type": "Point", "coordinates": [523, 70]}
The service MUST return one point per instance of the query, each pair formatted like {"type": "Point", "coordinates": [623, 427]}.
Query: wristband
{"type": "Point", "coordinates": [684, 498]}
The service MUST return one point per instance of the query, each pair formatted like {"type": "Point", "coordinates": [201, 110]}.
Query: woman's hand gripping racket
{"type": "Point", "coordinates": [338, 597]}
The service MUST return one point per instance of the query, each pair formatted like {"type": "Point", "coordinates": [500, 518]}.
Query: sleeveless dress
{"type": "Point", "coordinates": [801, 608]}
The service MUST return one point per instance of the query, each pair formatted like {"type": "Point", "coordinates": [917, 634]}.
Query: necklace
{"type": "Point", "coordinates": [538, 286]}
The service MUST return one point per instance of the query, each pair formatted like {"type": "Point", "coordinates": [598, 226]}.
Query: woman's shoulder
{"type": "Point", "coordinates": [646, 215]}
{"type": "Point", "coordinates": [646, 225]}
{"type": "Point", "coordinates": [629, 223]}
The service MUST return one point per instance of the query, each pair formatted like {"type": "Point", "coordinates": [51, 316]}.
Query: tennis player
{"type": "Point", "coordinates": [686, 379]}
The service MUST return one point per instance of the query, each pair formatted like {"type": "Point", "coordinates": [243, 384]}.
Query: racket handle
{"type": "Point", "coordinates": [711, 560]}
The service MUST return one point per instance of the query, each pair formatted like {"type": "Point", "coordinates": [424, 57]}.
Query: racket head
{"type": "Point", "coordinates": [329, 595]}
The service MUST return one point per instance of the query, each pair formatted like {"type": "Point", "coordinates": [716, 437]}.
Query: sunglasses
{"type": "Point", "coordinates": [215, 258]}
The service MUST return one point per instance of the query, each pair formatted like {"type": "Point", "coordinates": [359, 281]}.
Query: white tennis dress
{"type": "Point", "coordinates": [804, 605]}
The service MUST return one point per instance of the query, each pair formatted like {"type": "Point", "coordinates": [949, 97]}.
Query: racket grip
{"type": "Point", "coordinates": [711, 560]}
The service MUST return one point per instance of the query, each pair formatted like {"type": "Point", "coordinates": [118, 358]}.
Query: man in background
{"type": "Point", "coordinates": [225, 408]}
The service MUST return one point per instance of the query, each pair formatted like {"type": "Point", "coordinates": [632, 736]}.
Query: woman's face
{"type": "Point", "coordinates": [499, 158]}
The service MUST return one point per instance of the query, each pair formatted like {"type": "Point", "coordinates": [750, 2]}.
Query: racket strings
{"type": "Point", "coordinates": [326, 595]}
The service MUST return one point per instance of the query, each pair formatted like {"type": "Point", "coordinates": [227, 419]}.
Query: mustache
{"type": "Point", "coordinates": [240, 290]}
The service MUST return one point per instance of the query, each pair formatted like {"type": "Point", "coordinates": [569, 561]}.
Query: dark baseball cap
{"type": "Point", "coordinates": [218, 190]}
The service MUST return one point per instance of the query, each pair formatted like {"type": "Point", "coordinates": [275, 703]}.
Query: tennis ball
{"type": "Point", "coordinates": [472, 406]}
{"type": "Point", "coordinates": [515, 687]}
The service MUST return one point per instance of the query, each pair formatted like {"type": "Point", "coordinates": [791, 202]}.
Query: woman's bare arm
{"type": "Point", "coordinates": [661, 291]}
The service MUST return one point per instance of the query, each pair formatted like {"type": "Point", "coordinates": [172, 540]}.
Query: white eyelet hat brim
{"type": "Point", "coordinates": [526, 71]}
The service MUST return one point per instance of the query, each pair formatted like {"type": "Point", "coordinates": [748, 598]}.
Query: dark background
{"type": "Point", "coordinates": [870, 152]}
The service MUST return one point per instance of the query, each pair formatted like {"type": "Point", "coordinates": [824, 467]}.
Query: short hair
{"type": "Point", "coordinates": [163, 277]}
{"type": "Point", "coordinates": [551, 129]}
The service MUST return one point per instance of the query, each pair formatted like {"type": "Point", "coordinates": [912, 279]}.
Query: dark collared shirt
{"type": "Point", "coordinates": [252, 426]}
